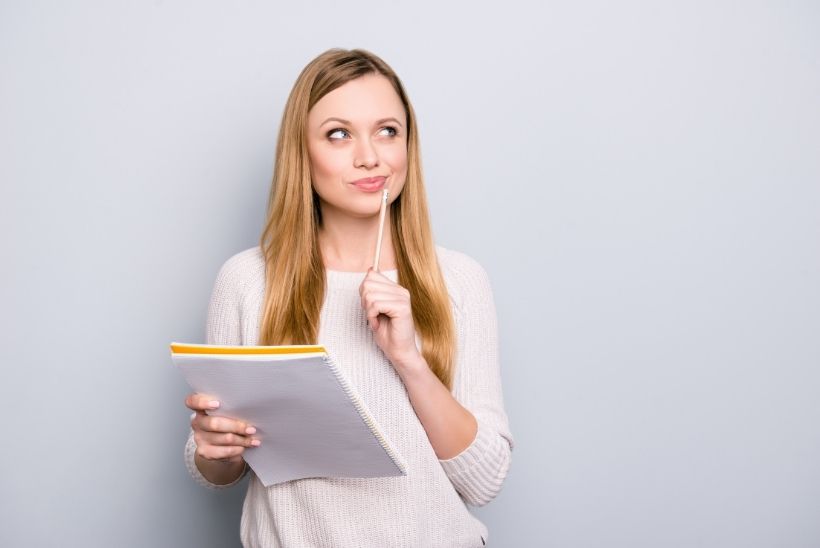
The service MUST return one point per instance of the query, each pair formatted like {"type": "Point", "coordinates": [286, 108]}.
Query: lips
{"type": "Point", "coordinates": [370, 184]}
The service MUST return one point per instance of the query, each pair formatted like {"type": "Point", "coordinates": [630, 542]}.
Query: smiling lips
{"type": "Point", "coordinates": [370, 184]}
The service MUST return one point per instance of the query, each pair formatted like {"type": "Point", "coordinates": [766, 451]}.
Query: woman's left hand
{"type": "Point", "coordinates": [387, 306]}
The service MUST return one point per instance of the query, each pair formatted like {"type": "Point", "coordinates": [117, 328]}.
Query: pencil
{"type": "Point", "coordinates": [382, 211]}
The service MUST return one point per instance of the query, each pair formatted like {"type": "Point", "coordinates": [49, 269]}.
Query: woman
{"type": "Point", "coordinates": [417, 337]}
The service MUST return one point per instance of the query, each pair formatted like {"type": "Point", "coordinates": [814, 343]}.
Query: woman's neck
{"type": "Point", "coordinates": [348, 244]}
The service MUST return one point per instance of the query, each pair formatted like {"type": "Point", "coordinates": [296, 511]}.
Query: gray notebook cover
{"type": "Point", "coordinates": [307, 415]}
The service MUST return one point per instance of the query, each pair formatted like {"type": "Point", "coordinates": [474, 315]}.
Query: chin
{"type": "Point", "coordinates": [355, 211]}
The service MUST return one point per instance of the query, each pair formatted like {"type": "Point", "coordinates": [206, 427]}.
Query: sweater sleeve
{"type": "Point", "coordinates": [222, 327]}
{"type": "Point", "coordinates": [477, 473]}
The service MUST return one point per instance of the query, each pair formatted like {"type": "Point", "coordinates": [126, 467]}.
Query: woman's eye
{"type": "Point", "coordinates": [339, 133]}
{"type": "Point", "coordinates": [333, 132]}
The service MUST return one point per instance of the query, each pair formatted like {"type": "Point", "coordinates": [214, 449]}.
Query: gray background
{"type": "Point", "coordinates": [641, 181]}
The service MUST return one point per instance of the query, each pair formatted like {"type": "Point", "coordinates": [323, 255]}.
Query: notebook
{"type": "Point", "coordinates": [308, 416]}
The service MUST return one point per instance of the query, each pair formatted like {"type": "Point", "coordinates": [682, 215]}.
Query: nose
{"type": "Point", "coordinates": [365, 155]}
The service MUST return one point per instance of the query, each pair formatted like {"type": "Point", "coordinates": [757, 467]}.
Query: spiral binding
{"type": "Point", "coordinates": [364, 413]}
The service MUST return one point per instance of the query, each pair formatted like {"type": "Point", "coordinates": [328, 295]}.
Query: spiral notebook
{"type": "Point", "coordinates": [310, 419]}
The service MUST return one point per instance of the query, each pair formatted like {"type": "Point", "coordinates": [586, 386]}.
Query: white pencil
{"type": "Point", "coordinates": [382, 211]}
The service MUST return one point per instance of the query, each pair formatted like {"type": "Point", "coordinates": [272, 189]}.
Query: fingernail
{"type": "Point", "coordinates": [255, 443]}
{"type": "Point", "coordinates": [213, 404]}
{"type": "Point", "coordinates": [250, 430]}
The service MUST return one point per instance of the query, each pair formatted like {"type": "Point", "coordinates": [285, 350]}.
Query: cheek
{"type": "Point", "coordinates": [398, 164]}
{"type": "Point", "coordinates": [397, 158]}
{"type": "Point", "coordinates": [326, 164]}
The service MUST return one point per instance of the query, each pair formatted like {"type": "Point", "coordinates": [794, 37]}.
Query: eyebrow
{"type": "Point", "coordinates": [347, 122]}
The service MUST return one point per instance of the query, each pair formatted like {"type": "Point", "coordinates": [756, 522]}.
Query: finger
{"type": "Point", "coordinates": [368, 299]}
{"type": "Point", "coordinates": [377, 279]}
{"type": "Point", "coordinates": [385, 311]}
{"type": "Point", "coordinates": [194, 416]}
{"type": "Point", "coordinates": [388, 307]}
{"type": "Point", "coordinates": [224, 425]}
{"type": "Point", "coordinates": [395, 291]}
{"type": "Point", "coordinates": [201, 402]}
{"type": "Point", "coordinates": [210, 438]}
{"type": "Point", "coordinates": [219, 452]}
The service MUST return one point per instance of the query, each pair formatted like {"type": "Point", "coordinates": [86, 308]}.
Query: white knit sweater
{"type": "Point", "coordinates": [425, 508]}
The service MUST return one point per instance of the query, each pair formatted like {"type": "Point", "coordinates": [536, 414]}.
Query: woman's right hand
{"type": "Point", "coordinates": [218, 438]}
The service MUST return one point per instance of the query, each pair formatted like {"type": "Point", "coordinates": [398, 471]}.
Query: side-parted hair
{"type": "Point", "coordinates": [294, 270]}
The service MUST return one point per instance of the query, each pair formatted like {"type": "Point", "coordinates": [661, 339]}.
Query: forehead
{"type": "Point", "coordinates": [362, 100]}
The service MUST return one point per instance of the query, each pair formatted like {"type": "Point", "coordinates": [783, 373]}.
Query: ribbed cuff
{"type": "Point", "coordinates": [478, 472]}
{"type": "Point", "coordinates": [190, 463]}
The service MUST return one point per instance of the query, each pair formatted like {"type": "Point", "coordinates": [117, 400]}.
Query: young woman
{"type": "Point", "coordinates": [416, 337]}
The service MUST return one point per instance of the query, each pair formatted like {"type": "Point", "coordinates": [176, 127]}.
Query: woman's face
{"type": "Point", "coordinates": [357, 142]}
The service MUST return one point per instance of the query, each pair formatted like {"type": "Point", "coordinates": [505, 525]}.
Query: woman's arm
{"type": "Point", "coordinates": [468, 429]}
{"type": "Point", "coordinates": [479, 471]}
{"type": "Point", "coordinates": [450, 427]}
{"type": "Point", "coordinates": [213, 452]}
{"type": "Point", "coordinates": [218, 442]}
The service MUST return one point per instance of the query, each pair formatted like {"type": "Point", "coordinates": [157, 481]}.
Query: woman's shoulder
{"type": "Point", "coordinates": [242, 269]}
{"type": "Point", "coordinates": [457, 263]}
{"type": "Point", "coordinates": [247, 259]}
{"type": "Point", "coordinates": [463, 274]}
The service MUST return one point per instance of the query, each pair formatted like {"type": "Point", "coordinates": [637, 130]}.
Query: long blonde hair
{"type": "Point", "coordinates": [295, 273]}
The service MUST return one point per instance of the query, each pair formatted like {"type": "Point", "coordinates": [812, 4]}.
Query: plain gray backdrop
{"type": "Point", "coordinates": [641, 180]}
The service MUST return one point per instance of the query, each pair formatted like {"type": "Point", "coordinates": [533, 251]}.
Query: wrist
{"type": "Point", "coordinates": [220, 472]}
{"type": "Point", "coordinates": [409, 364]}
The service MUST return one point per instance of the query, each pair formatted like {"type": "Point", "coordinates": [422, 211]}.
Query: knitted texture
{"type": "Point", "coordinates": [425, 508]}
